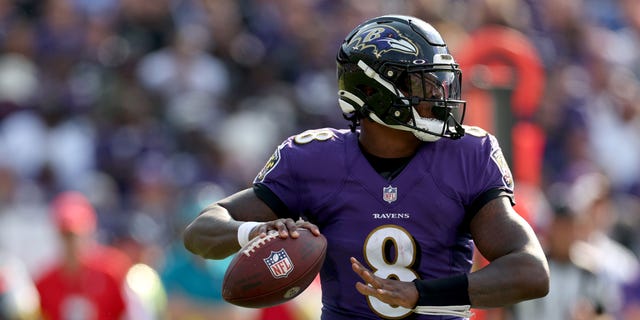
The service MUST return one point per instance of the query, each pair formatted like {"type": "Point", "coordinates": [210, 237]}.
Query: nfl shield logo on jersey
{"type": "Point", "coordinates": [389, 194]}
{"type": "Point", "coordinates": [279, 264]}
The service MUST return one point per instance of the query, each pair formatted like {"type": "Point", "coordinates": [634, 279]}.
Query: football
{"type": "Point", "coordinates": [272, 270]}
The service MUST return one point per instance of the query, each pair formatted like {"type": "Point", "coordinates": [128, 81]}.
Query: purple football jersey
{"type": "Point", "coordinates": [412, 226]}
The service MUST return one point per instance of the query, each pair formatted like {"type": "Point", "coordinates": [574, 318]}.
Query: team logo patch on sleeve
{"type": "Point", "coordinates": [503, 166]}
{"type": "Point", "coordinates": [271, 163]}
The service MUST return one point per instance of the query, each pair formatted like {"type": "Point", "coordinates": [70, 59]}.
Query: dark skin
{"type": "Point", "coordinates": [518, 269]}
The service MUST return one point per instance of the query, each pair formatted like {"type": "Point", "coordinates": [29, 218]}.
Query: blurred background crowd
{"type": "Point", "coordinates": [121, 119]}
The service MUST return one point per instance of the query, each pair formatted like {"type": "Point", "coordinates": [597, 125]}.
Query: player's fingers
{"type": "Point", "coordinates": [365, 289]}
{"type": "Point", "coordinates": [364, 273]}
{"type": "Point", "coordinates": [357, 266]}
{"type": "Point", "coordinates": [362, 288]}
{"type": "Point", "coordinates": [383, 295]}
{"type": "Point", "coordinates": [259, 230]}
{"type": "Point", "coordinates": [309, 226]}
{"type": "Point", "coordinates": [388, 296]}
{"type": "Point", "coordinates": [281, 227]}
{"type": "Point", "coordinates": [292, 228]}
{"type": "Point", "coordinates": [398, 293]}
{"type": "Point", "coordinates": [380, 294]}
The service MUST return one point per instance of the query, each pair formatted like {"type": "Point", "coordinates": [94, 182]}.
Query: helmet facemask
{"type": "Point", "coordinates": [424, 100]}
{"type": "Point", "coordinates": [433, 95]}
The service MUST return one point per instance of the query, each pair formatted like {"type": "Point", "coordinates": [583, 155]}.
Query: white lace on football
{"type": "Point", "coordinates": [459, 311]}
{"type": "Point", "coordinates": [259, 242]}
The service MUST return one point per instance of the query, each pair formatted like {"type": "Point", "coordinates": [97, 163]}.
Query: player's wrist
{"type": "Point", "coordinates": [450, 291]}
{"type": "Point", "coordinates": [244, 232]}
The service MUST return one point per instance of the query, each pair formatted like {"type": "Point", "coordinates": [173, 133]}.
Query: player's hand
{"type": "Point", "coordinates": [284, 227]}
{"type": "Point", "coordinates": [393, 292]}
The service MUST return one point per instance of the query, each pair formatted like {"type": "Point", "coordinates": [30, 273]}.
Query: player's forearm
{"type": "Point", "coordinates": [213, 234]}
{"type": "Point", "coordinates": [508, 280]}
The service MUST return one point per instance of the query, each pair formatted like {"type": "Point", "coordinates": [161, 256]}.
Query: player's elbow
{"type": "Point", "coordinates": [536, 279]}
{"type": "Point", "coordinates": [189, 239]}
{"type": "Point", "coordinates": [543, 283]}
{"type": "Point", "coordinates": [201, 241]}
{"type": "Point", "coordinates": [538, 286]}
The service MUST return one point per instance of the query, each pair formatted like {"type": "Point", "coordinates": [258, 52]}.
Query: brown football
{"type": "Point", "coordinates": [272, 270]}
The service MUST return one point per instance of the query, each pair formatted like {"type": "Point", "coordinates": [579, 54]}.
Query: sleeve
{"type": "Point", "coordinates": [494, 178]}
{"type": "Point", "coordinates": [271, 199]}
{"type": "Point", "coordinates": [277, 183]}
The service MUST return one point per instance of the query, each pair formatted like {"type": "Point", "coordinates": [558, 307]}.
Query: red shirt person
{"type": "Point", "coordinates": [76, 287]}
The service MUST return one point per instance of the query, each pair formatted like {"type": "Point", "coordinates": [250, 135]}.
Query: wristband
{"type": "Point", "coordinates": [450, 291]}
{"type": "Point", "coordinates": [244, 230]}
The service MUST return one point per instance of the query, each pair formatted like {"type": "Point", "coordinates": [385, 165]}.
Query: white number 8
{"type": "Point", "coordinates": [395, 266]}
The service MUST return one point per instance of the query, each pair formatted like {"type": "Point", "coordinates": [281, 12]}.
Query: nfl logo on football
{"type": "Point", "coordinates": [279, 264]}
{"type": "Point", "coordinates": [389, 194]}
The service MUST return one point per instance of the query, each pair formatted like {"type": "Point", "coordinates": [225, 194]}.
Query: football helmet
{"type": "Point", "coordinates": [397, 71]}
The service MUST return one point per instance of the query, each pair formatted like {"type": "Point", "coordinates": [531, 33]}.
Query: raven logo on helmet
{"type": "Point", "coordinates": [383, 39]}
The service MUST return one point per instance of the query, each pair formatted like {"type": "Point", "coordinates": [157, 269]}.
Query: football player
{"type": "Point", "coordinates": [403, 196]}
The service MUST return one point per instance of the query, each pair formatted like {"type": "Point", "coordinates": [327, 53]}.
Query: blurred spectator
{"type": "Point", "coordinates": [87, 281]}
{"type": "Point", "coordinates": [17, 131]}
{"type": "Point", "coordinates": [24, 221]}
{"type": "Point", "coordinates": [19, 299]}
{"type": "Point", "coordinates": [626, 40]}
{"type": "Point", "coordinates": [592, 273]}
{"type": "Point", "coordinates": [189, 79]}
{"type": "Point", "coordinates": [577, 291]}
{"type": "Point", "coordinates": [631, 303]}
{"type": "Point", "coordinates": [592, 196]}
{"type": "Point", "coordinates": [61, 147]}
{"type": "Point", "coordinates": [612, 113]}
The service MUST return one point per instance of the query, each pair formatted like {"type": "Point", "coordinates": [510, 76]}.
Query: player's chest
{"type": "Point", "coordinates": [413, 205]}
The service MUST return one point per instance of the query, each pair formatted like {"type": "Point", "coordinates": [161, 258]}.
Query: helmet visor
{"type": "Point", "coordinates": [432, 85]}
{"type": "Point", "coordinates": [434, 93]}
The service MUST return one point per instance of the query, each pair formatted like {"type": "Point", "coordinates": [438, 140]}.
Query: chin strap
{"type": "Point", "coordinates": [459, 128]}
{"type": "Point", "coordinates": [349, 112]}
{"type": "Point", "coordinates": [354, 121]}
